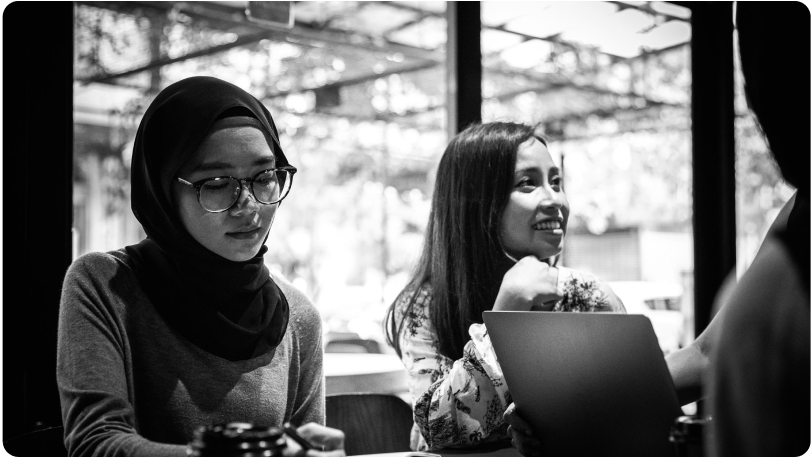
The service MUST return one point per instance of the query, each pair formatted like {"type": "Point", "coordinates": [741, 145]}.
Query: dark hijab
{"type": "Point", "coordinates": [231, 309]}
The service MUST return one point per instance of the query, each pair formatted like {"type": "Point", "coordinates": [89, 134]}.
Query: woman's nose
{"type": "Point", "coordinates": [551, 199]}
{"type": "Point", "coordinates": [246, 202]}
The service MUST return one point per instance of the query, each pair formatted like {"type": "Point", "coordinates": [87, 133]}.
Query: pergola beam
{"type": "Point", "coordinates": [241, 41]}
{"type": "Point", "coordinates": [408, 68]}
{"type": "Point", "coordinates": [232, 17]}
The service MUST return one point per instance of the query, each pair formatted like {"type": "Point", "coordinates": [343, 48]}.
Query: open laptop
{"type": "Point", "coordinates": [590, 384]}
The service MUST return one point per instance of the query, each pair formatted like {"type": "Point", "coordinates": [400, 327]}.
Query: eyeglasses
{"type": "Point", "coordinates": [219, 194]}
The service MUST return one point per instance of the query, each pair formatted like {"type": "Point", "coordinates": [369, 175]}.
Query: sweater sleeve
{"type": "Point", "coordinates": [97, 412]}
{"type": "Point", "coordinates": [456, 403]}
{"type": "Point", "coordinates": [309, 402]}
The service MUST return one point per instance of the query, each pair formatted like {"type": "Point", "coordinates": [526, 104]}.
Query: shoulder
{"type": "Point", "coordinates": [413, 300]}
{"type": "Point", "coordinates": [98, 267]}
{"type": "Point", "coordinates": [771, 290]}
{"type": "Point", "coordinates": [99, 286]}
{"type": "Point", "coordinates": [765, 315]}
{"type": "Point", "coordinates": [418, 295]}
{"type": "Point", "coordinates": [301, 307]}
{"type": "Point", "coordinates": [100, 261]}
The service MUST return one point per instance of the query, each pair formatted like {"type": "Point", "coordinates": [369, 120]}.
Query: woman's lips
{"type": "Point", "coordinates": [244, 235]}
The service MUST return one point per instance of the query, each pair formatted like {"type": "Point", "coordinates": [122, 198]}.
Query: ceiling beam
{"type": "Point", "coordinates": [407, 68]}
{"type": "Point", "coordinates": [545, 84]}
{"type": "Point", "coordinates": [226, 17]}
{"type": "Point", "coordinates": [244, 40]}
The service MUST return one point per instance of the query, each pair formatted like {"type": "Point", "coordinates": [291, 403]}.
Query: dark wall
{"type": "Point", "coordinates": [37, 205]}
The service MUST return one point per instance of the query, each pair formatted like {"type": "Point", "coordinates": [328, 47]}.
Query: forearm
{"type": "Point", "coordinates": [97, 408]}
{"type": "Point", "coordinates": [101, 442]}
{"type": "Point", "coordinates": [310, 401]}
{"type": "Point", "coordinates": [687, 367]}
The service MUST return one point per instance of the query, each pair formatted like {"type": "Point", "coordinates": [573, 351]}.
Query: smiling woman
{"type": "Point", "coordinates": [188, 328]}
{"type": "Point", "coordinates": [498, 220]}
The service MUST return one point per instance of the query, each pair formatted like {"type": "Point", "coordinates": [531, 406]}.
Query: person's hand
{"type": "Point", "coordinates": [529, 284]}
{"type": "Point", "coordinates": [330, 440]}
{"type": "Point", "coordinates": [523, 438]}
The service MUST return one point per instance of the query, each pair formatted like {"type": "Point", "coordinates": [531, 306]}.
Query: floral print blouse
{"type": "Point", "coordinates": [460, 403]}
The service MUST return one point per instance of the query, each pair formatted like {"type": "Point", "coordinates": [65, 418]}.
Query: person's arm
{"type": "Point", "coordinates": [758, 381]}
{"type": "Point", "coordinates": [329, 440]}
{"type": "Point", "coordinates": [309, 403]}
{"type": "Point", "coordinates": [688, 366]}
{"type": "Point", "coordinates": [456, 403]}
{"type": "Point", "coordinates": [97, 412]}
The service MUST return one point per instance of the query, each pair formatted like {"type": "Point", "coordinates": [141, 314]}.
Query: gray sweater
{"type": "Point", "coordinates": [132, 386]}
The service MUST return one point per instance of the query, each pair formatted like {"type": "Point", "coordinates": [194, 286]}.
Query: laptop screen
{"type": "Point", "coordinates": [588, 383]}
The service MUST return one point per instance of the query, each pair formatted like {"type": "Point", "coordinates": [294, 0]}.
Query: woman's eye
{"type": "Point", "coordinates": [216, 186]}
{"type": "Point", "coordinates": [557, 181]}
{"type": "Point", "coordinates": [525, 183]}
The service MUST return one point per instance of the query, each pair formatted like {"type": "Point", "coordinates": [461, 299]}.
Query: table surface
{"type": "Point", "coordinates": [370, 373]}
{"type": "Point", "coordinates": [504, 452]}
{"type": "Point", "coordinates": [353, 364]}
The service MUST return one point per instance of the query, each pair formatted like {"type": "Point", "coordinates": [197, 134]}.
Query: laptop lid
{"type": "Point", "coordinates": [588, 383]}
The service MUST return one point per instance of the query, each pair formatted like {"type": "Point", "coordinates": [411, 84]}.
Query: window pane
{"type": "Point", "coordinates": [608, 85]}
{"type": "Point", "coordinates": [357, 90]}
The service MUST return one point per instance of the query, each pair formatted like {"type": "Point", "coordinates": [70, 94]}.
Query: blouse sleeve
{"type": "Point", "coordinates": [584, 292]}
{"type": "Point", "coordinates": [456, 403]}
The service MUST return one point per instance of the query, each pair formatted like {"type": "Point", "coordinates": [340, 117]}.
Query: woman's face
{"type": "Point", "coordinates": [237, 233]}
{"type": "Point", "coordinates": [534, 220]}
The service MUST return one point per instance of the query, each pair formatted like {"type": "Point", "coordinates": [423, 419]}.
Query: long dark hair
{"type": "Point", "coordinates": [462, 257]}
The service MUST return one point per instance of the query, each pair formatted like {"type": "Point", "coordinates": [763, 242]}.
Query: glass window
{"type": "Point", "coordinates": [357, 90]}
{"type": "Point", "coordinates": [608, 85]}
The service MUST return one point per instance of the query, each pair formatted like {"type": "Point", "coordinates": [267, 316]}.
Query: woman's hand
{"type": "Point", "coordinates": [529, 284]}
{"type": "Point", "coordinates": [522, 436]}
{"type": "Point", "coordinates": [331, 440]}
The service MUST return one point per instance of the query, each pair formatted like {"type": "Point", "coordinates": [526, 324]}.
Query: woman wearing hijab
{"type": "Point", "coordinates": [188, 327]}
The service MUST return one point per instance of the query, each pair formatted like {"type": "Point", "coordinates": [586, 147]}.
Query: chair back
{"type": "Point", "coordinates": [372, 423]}
{"type": "Point", "coordinates": [39, 443]}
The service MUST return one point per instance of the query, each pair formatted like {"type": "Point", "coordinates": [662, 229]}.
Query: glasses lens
{"type": "Point", "coordinates": [219, 194]}
{"type": "Point", "coordinates": [271, 186]}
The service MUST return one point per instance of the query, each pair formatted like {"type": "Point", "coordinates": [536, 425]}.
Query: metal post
{"type": "Point", "coordinates": [464, 65]}
{"type": "Point", "coordinates": [713, 153]}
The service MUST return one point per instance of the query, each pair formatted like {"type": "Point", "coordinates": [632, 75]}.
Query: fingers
{"type": "Point", "coordinates": [330, 439]}
{"type": "Point", "coordinates": [526, 445]}
{"type": "Point", "coordinates": [515, 421]}
{"type": "Point", "coordinates": [335, 453]}
{"type": "Point", "coordinates": [554, 272]}
{"type": "Point", "coordinates": [521, 433]}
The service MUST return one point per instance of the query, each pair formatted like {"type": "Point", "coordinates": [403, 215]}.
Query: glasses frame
{"type": "Point", "coordinates": [197, 185]}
